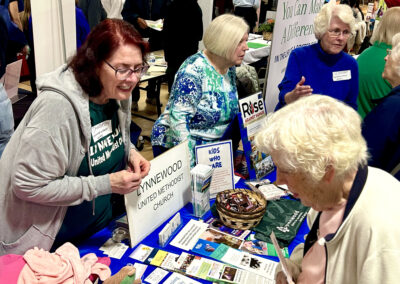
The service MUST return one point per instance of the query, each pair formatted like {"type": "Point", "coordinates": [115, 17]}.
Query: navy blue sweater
{"type": "Point", "coordinates": [317, 67]}
{"type": "Point", "coordinates": [381, 130]}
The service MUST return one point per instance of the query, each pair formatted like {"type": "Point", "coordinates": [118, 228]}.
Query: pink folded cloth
{"type": "Point", "coordinates": [63, 266]}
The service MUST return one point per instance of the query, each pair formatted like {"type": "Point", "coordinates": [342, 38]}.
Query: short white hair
{"type": "Point", "coordinates": [323, 20]}
{"type": "Point", "coordinates": [313, 133]}
{"type": "Point", "coordinates": [223, 35]}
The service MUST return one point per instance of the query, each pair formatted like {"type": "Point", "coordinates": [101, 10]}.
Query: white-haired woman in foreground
{"type": "Point", "coordinates": [320, 154]}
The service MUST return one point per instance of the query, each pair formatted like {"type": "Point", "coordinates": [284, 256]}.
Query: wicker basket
{"type": "Point", "coordinates": [243, 220]}
{"type": "Point", "coordinates": [267, 35]}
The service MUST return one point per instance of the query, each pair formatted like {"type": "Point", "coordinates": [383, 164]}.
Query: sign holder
{"type": "Point", "coordinates": [251, 118]}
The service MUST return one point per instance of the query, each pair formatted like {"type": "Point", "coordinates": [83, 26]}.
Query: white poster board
{"type": "Point", "coordinates": [164, 191]}
{"type": "Point", "coordinates": [207, 10]}
{"type": "Point", "coordinates": [294, 27]}
{"type": "Point", "coordinates": [219, 156]}
{"type": "Point", "coordinates": [54, 33]}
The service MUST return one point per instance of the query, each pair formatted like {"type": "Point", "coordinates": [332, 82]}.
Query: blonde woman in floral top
{"type": "Point", "coordinates": [203, 99]}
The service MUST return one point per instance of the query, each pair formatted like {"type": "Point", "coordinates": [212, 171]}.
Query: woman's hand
{"type": "Point", "coordinates": [280, 278]}
{"type": "Point", "coordinates": [299, 91]}
{"type": "Point", "coordinates": [138, 164]}
{"type": "Point", "coordinates": [142, 23]}
{"type": "Point", "coordinates": [125, 181]}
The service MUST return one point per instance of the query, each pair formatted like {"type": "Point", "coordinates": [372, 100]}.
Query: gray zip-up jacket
{"type": "Point", "coordinates": [39, 165]}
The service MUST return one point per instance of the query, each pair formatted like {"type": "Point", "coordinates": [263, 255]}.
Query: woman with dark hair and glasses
{"type": "Point", "coordinates": [323, 68]}
{"type": "Point", "coordinates": [72, 150]}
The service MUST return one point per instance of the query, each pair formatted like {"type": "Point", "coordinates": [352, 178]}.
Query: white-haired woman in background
{"type": "Point", "coordinates": [203, 99]}
{"type": "Point", "coordinates": [323, 68]}
{"type": "Point", "coordinates": [381, 126]}
{"type": "Point", "coordinates": [320, 154]}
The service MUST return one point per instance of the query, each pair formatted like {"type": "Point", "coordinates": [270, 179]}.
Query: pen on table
{"type": "Point", "coordinates": [282, 188]}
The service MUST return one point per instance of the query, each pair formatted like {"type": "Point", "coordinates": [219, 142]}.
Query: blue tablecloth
{"type": "Point", "coordinates": [93, 244]}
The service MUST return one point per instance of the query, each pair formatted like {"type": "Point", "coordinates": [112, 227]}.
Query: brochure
{"type": "Point", "coordinates": [188, 236]}
{"type": "Point", "coordinates": [219, 237]}
{"type": "Point", "coordinates": [216, 224]}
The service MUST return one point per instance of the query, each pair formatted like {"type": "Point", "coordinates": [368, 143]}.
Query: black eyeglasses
{"type": "Point", "coordinates": [125, 73]}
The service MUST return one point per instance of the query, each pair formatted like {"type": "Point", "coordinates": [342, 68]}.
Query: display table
{"type": "Point", "coordinates": [156, 74]}
{"type": "Point", "coordinates": [258, 49]}
{"type": "Point", "coordinates": [93, 244]}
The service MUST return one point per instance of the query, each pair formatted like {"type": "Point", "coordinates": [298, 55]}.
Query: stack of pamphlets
{"type": "Point", "coordinates": [201, 179]}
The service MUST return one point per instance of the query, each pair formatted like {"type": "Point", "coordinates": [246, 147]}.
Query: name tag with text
{"type": "Point", "coordinates": [101, 130]}
{"type": "Point", "coordinates": [341, 75]}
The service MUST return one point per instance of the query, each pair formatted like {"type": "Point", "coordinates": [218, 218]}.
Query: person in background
{"type": "Point", "coordinates": [323, 68]}
{"type": "Point", "coordinates": [17, 43]}
{"type": "Point", "coordinates": [137, 12]}
{"type": "Point", "coordinates": [371, 62]}
{"type": "Point", "coordinates": [183, 29]}
{"type": "Point", "coordinates": [204, 100]}
{"type": "Point", "coordinates": [82, 30]}
{"type": "Point", "coordinates": [381, 128]}
{"type": "Point", "coordinates": [6, 112]}
{"type": "Point", "coordinates": [93, 11]}
{"type": "Point", "coordinates": [320, 154]}
{"type": "Point", "coordinates": [113, 8]}
{"type": "Point", "coordinates": [247, 9]}
{"type": "Point", "coordinates": [82, 25]}
{"type": "Point", "coordinates": [13, 8]}
{"type": "Point", "coordinates": [72, 150]}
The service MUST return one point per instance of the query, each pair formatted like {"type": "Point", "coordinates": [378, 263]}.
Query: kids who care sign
{"type": "Point", "coordinates": [219, 156]}
{"type": "Point", "coordinates": [163, 192]}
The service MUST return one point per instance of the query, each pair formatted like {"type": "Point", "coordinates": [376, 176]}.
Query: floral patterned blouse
{"type": "Point", "coordinates": [202, 104]}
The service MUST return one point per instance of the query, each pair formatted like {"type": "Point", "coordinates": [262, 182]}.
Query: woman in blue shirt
{"type": "Point", "coordinates": [323, 68]}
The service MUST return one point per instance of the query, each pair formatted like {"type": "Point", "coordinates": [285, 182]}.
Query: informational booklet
{"type": "Point", "coordinates": [251, 263]}
{"type": "Point", "coordinates": [169, 261]}
{"type": "Point", "coordinates": [269, 191]}
{"type": "Point", "coordinates": [194, 266]}
{"type": "Point", "coordinates": [176, 278]}
{"type": "Point", "coordinates": [141, 253]}
{"type": "Point", "coordinates": [155, 25]}
{"type": "Point", "coordinates": [189, 234]}
{"type": "Point", "coordinates": [216, 224]}
{"type": "Point", "coordinates": [219, 237]}
{"type": "Point", "coordinates": [255, 246]}
{"type": "Point", "coordinates": [156, 276]}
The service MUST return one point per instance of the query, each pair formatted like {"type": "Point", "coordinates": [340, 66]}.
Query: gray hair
{"type": "Point", "coordinates": [313, 133]}
{"type": "Point", "coordinates": [223, 35]}
{"type": "Point", "coordinates": [323, 19]}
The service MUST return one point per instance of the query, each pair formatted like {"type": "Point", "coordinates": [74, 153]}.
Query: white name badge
{"type": "Point", "coordinates": [101, 130]}
{"type": "Point", "coordinates": [341, 75]}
